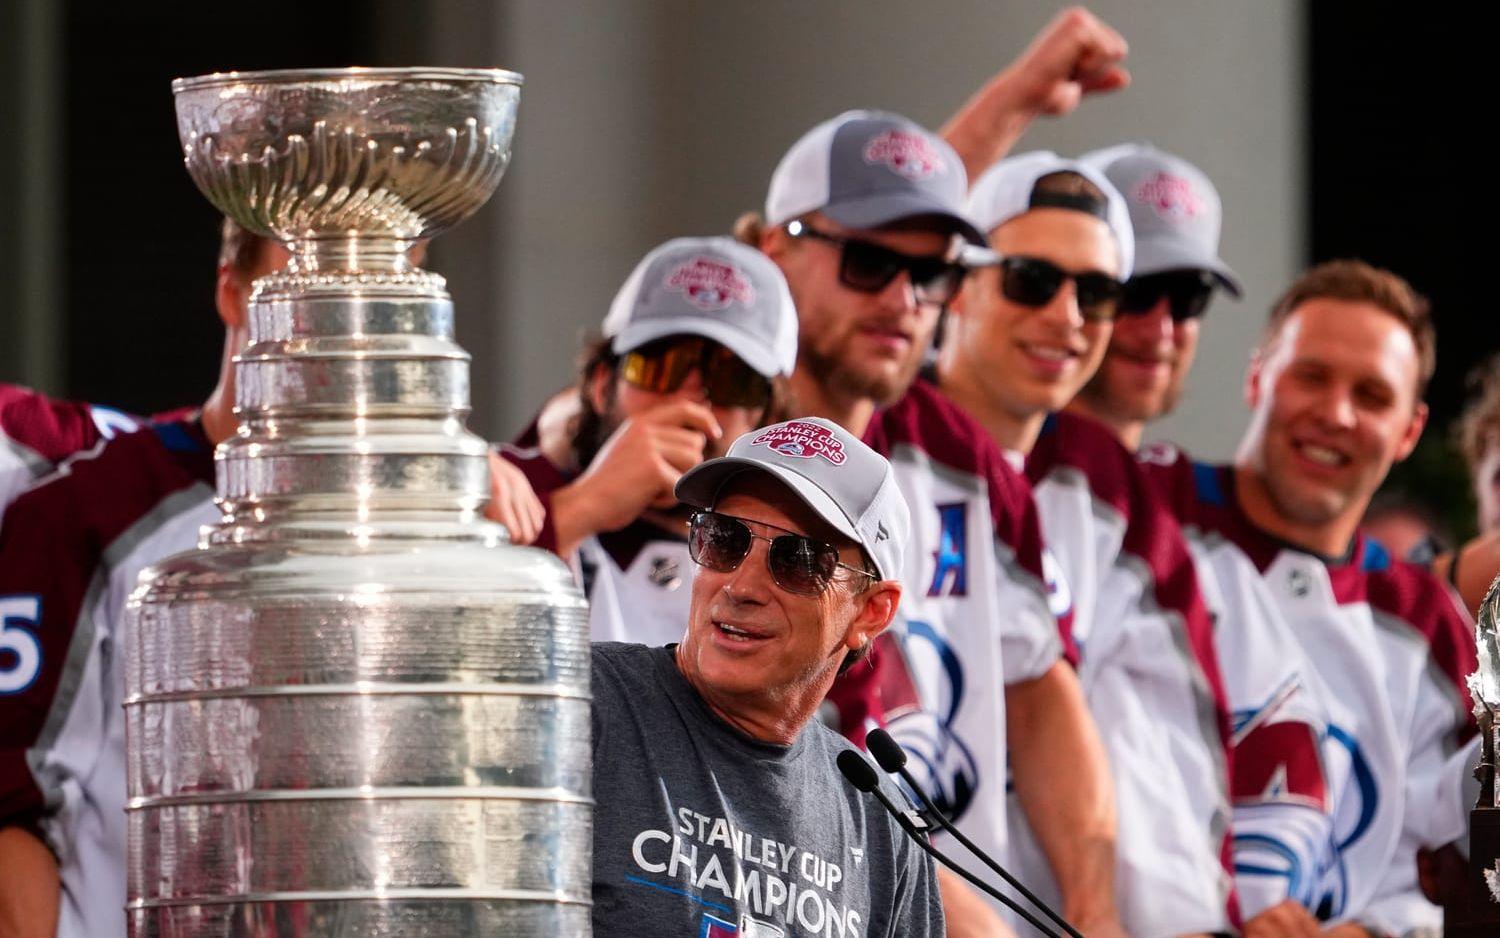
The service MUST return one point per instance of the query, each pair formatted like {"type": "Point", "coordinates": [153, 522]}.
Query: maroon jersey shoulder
{"type": "Point", "coordinates": [1414, 596]}
{"type": "Point", "coordinates": [53, 429]}
{"type": "Point", "coordinates": [927, 419]}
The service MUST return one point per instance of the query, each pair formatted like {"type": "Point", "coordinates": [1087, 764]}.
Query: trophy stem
{"type": "Point", "coordinates": [350, 252]}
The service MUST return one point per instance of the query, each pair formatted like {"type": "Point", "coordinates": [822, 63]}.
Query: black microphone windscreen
{"type": "Point", "coordinates": [858, 771]}
{"type": "Point", "coordinates": [886, 750]}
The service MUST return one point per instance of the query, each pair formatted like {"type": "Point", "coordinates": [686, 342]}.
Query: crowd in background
{"type": "Point", "coordinates": [1175, 697]}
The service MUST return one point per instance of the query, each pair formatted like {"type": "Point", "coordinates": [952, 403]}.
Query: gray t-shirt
{"type": "Point", "coordinates": [703, 832]}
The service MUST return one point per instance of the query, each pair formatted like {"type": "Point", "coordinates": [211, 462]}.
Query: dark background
{"type": "Point", "coordinates": [1393, 177]}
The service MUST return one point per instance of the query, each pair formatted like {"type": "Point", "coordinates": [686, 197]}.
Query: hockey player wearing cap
{"type": "Point", "coordinates": [863, 215]}
{"type": "Point", "coordinates": [1335, 390]}
{"type": "Point", "coordinates": [726, 813]}
{"type": "Point", "coordinates": [695, 351]}
{"type": "Point", "coordinates": [1277, 720]}
{"type": "Point", "coordinates": [70, 552]}
{"type": "Point", "coordinates": [1176, 216]}
{"type": "Point", "coordinates": [1027, 332]}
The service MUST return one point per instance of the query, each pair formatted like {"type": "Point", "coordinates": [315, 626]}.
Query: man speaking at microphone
{"type": "Point", "coordinates": [721, 810]}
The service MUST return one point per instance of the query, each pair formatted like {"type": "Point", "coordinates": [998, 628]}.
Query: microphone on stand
{"type": "Point", "coordinates": [859, 773]}
{"type": "Point", "coordinates": [892, 758]}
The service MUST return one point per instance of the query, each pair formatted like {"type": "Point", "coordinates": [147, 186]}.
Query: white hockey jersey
{"type": "Point", "coordinates": [1388, 647]}
{"type": "Point", "coordinates": [1151, 675]}
{"type": "Point", "coordinates": [978, 610]}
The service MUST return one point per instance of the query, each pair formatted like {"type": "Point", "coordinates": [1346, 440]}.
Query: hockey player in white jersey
{"type": "Point", "coordinates": [697, 347]}
{"type": "Point", "coordinates": [1335, 390]}
{"type": "Point", "coordinates": [861, 216]}
{"type": "Point", "coordinates": [1028, 330]}
{"type": "Point", "coordinates": [1176, 215]}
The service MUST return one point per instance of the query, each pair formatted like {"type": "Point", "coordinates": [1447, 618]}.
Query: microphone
{"type": "Point", "coordinates": [859, 773]}
{"type": "Point", "coordinates": [892, 758]}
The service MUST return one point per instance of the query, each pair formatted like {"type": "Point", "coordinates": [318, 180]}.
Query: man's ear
{"type": "Point", "coordinates": [1413, 432]}
{"type": "Point", "coordinates": [877, 609]}
{"type": "Point", "coordinates": [231, 297]}
{"type": "Point", "coordinates": [1253, 375]}
{"type": "Point", "coordinates": [774, 241]}
{"type": "Point", "coordinates": [597, 388]}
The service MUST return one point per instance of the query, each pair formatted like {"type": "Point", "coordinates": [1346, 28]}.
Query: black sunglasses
{"type": "Point", "coordinates": [869, 267]}
{"type": "Point", "coordinates": [799, 564]}
{"type": "Point", "coordinates": [1032, 281]}
{"type": "Point", "coordinates": [662, 366]}
{"type": "Point", "coordinates": [1187, 293]}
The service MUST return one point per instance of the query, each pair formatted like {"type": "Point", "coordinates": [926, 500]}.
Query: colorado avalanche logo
{"type": "Point", "coordinates": [1171, 196]}
{"type": "Point", "coordinates": [711, 285]}
{"type": "Point", "coordinates": [905, 154]}
{"type": "Point", "coordinates": [803, 440]}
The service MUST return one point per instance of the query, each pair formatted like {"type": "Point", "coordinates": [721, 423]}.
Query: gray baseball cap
{"type": "Point", "coordinates": [1174, 209]}
{"type": "Point", "coordinates": [848, 484]}
{"type": "Point", "coordinates": [865, 169]}
{"type": "Point", "coordinates": [711, 287]}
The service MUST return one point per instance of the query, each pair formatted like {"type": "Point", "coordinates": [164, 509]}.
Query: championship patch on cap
{"type": "Point", "coordinates": [803, 440]}
{"type": "Point", "coordinates": [905, 154]}
{"type": "Point", "coordinates": [711, 285]}
{"type": "Point", "coordinates": [1171, 196]}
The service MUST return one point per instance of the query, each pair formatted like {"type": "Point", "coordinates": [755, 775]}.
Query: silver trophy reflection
{"type": "Point", "coordinates": [355, 709]}
{"type": "Point", "coordinates": [1484, 687]}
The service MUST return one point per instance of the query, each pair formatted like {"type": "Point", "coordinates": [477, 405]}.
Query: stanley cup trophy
{"type": "Point", "coordinates": [355, 709]}
{"type": "Point", "coordinates": [1483, 913]}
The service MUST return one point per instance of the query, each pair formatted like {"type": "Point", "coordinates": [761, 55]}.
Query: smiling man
{"type": "Point", "coordinates": [725, 811]}
{"type": "Point", "coordinates": [1029, 329]}
{"type": "Point", "coordinates": [1335, 390]}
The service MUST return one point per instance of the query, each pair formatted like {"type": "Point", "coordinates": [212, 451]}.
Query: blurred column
{"type": "Point", "coordinates": [31, 98]}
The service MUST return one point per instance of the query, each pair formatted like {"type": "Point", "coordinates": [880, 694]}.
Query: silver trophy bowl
{"type": "Point", "coordinates": [355, 709]}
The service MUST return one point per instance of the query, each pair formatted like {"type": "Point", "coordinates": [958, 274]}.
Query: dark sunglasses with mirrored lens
{"type": "Point", "coordinates": [1187, 293]}
{"type": "Point", "coordinates": [1033, 282]}
{"type": "Point", "coordinates": [869, 267]}
{"type": "Point", "coordinates": [662, 366]}
{"type": "Point", "coordinates": [799, 564]}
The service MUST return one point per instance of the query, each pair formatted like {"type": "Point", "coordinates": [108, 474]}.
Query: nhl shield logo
{"type": "Point", "coordinates": [711, 285]}
{"type": "Point", "coordinates": [1172, 197]}
{"type": "Point", "coordinates": [803, 440]}
{"type": "Point", "coordinates": [905, 154]}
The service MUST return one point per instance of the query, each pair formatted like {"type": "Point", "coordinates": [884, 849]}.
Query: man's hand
{"type": "Point", "coordinates": [1289, 919]}
{"type": "Point", "coordinates": [965, 912]}
{"type": "Point", "coordinates": [513, 502]}
{"type": "Point", "coordinates": [29, 888]}
{"type": "Point", "coordinates": [636, 469]}
{"type": "Point", "coordinates": [1075, 55]}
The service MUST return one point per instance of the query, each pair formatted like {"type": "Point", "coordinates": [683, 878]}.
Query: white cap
{"type": "Point", "coordinates": [711, 287]}
{"type": "Point", "coordinates": [1174, 210]}
{"type": "Point", "coordinates": [864, 169]}
{"type": "Point", "coordinates": [1007, 190]}
{"type": "Point", "coordinates": [845, 482]}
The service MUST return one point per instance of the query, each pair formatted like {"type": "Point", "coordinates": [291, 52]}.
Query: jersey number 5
{"type": "Point", "coordinates": [20, 652]}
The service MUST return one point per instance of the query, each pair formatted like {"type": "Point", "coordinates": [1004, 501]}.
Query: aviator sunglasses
{"type": "Point", "coordinates": [1033, 282]}
{"type": "Point", "coordinates": [799, 564]}
{"type": "Point", "coordinates": [662, 366]}
{"type": "Point", "coordinates": [869, 268]}
{"type": "Point", "coordinates": [1187, 293]}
